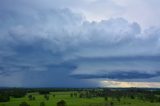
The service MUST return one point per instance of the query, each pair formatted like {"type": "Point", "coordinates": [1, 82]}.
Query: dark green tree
{"type": "Point", "coordinates": [33, 98]}
{"type": "Point", "coordinates": [46, 97]}
{"type": "Point", "coordinates": [24, 104]}
{"type": "Point", "coordinates": [111, 104]}
{"type": "Point", "coordinates": [42, 104]}
{"type": "Point", "coordinates": [61, 103]}
{"type": "Point", "coordinates": [30, 97]}
{"type": "Point", "coordinates": [71, 95]}
{"type": "Point", "coordinates": [132, 97]}
{"type": "Point", "coordinates": [106, 98]}
{"type": "Point", "coordinates": [4, 98]}
{"type": "Point", "coordinates": [75, 94]}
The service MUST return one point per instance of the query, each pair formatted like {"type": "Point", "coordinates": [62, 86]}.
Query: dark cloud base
{"type": "Point", "coordinates": [118, 75]}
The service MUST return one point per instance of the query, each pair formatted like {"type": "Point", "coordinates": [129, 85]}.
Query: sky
{"type": "Point", "coordinates": [79, 43]}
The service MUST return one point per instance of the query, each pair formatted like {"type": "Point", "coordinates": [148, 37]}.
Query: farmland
{"type": "Point", "coordinates": [83, 97]}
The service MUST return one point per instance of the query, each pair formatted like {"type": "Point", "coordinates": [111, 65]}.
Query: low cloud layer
{"type": "Point", "coordinates": [119, 75]}
{"type": "Point", "coordinates": [58, 47]}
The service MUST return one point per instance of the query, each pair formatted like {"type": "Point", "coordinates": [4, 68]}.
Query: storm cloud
{"type": "Point", "coordinates": [47, 45]}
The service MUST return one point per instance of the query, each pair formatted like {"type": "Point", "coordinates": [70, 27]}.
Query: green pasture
{"type": "Point", "coordinates": [75, 101]}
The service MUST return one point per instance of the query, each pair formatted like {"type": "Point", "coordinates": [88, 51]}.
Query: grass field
{"type": "Point", "coordinates": [74, 101]}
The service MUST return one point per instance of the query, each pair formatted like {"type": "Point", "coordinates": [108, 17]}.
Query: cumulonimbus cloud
{"type": "Point", "coordinates": [58, 39]}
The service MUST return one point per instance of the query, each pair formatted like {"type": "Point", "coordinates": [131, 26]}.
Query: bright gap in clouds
{"type": "Point", "coordinates": [110, 83]}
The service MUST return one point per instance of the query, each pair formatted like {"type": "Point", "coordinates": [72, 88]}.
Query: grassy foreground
{"type": "Point", "coordinates": [75, 101]}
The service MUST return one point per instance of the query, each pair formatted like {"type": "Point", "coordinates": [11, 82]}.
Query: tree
{"type": "Point", "coordinates": [132, 97]}
{"type": "Point", "coordinates": [44, 92]}
{"type": "Point", "coordinates": [4, 98]}
{"type": "Point", "coordinates": [46, 97]}
{"type": "Point", "coordinates": [42, 104]}
{"type": "Point", "coordinates": [33, 98]}
{"type": "Point", "coordinates": [30, 97]}
{"type": "Point", "coordinates": [158, 99]}
{"type": "Point", "coordinates": [61, 103]}
{"type": "Point", "coordinates": [111, 104]}
{"type": "Point", "coordinates": [75, 94]}
{"type": "Point", "coordinates": [17, 93]}
{"type": "Point", "coordinates": [106, 98]}
{"type": "Point", "coordinates": [24, 104]}
{"type": "Point", "coordinates": [71, 95]}
{"type": "Point", "coordinates": [81, 95]}
{"type": "Point", "coordinates": [118, 99]}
